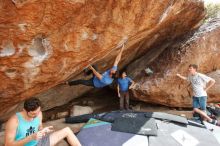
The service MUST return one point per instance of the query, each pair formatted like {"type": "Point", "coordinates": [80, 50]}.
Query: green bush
{"type": "Point", "coordinates": [213, 10]}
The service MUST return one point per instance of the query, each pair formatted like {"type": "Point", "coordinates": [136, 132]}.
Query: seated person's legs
{"type": "Point", "coordinates": [64, 133]}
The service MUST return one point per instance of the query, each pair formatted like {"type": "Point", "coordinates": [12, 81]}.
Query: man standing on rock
{"type": "Point", "coordinates": [99, 80]}
{"type": "Point", "coordinates": [25, 129]}
{"type": "Point", "coordinates": [200, 84]}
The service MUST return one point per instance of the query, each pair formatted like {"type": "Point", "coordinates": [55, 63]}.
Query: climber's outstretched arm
{"type": "Point", "coordinates": [118, 58]}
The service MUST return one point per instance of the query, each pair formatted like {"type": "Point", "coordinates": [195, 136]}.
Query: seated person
{"type": "Point", "coordinates": [25, 129]}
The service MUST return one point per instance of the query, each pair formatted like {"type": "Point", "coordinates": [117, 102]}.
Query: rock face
{"type": "Point", "coordinates": [44, 42]}
{"type": "Point", "coordinates": [163, 87]}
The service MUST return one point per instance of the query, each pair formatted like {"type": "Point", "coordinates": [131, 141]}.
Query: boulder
{"type": "Point", "coordinates": [43, 43]}
{"type": "Point", "coordinates": [163, 87]}
{"type": "Point", "coordinates": [80, 110]}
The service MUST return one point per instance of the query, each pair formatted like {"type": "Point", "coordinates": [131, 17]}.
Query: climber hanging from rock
{"type": "Point", "coordinates": [99, 80]}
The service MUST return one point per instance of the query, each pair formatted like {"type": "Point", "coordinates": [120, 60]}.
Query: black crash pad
{"type": "Point", "coordinates": [140, 125]}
